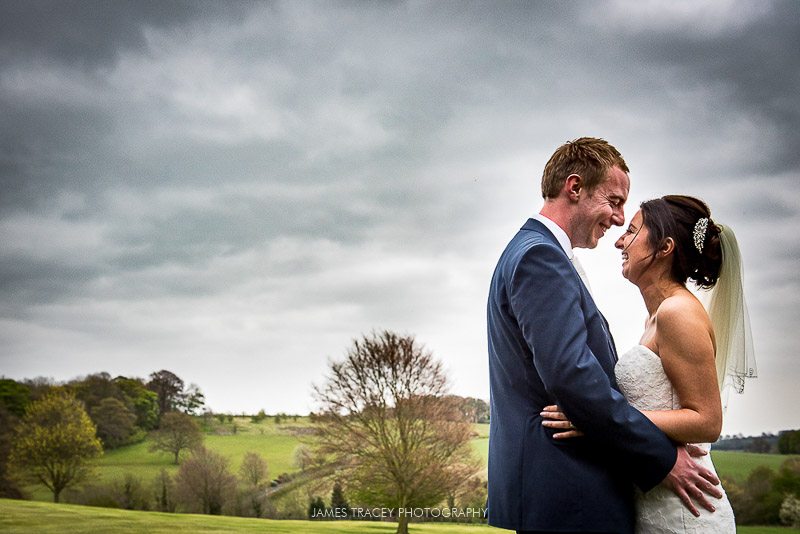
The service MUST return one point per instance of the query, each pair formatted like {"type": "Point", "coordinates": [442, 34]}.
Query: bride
{"type": "Point", "coordinates": [687, 355]}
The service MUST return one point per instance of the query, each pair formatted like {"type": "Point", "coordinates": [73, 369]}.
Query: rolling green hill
{"type": "Point", "coordinates": [277, 443]}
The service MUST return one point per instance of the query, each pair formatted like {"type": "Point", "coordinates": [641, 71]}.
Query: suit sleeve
{"type": "Point", "coordinates": [545, 297]}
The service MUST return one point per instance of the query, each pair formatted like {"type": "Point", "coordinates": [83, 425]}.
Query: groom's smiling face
{"type": "Point", "coordinates": [601, 209]}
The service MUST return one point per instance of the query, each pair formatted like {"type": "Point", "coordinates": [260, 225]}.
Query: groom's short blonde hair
{"type": "Point", "coordinates": [588, 157]}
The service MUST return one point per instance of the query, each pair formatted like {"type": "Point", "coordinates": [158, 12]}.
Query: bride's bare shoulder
{"type": "Point", "coordinates": [682, 314]}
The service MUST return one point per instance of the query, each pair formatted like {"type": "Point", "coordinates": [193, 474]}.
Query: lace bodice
{"type": "Point", "coordinates": [644, 383]}
{"type": "Point", "coordinates": [641, 378]}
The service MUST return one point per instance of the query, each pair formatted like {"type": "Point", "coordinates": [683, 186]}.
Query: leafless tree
{"type": "Point", "coordinates": [204, 483]}
{"type": "Point", "coordinates": [253, 474]}
{"type": "Point", "coordinates": [178, 432]}
{"type": "Point", "coordinates": [385, 418]}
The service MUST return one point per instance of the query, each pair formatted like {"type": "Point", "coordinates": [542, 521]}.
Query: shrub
{"type": "Point", "coordinates": [127, 493]}
{"type": "Point", "coordinates": [790, 511]}
{"type": "Point", "coordinates": [759, 502]}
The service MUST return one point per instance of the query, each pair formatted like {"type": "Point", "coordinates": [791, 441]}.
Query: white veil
{"type": "Point", "coordinates": [728, 312]}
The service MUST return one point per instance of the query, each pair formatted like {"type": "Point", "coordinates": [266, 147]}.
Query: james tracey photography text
{"type": "Point", "coordinates": [383, 513]}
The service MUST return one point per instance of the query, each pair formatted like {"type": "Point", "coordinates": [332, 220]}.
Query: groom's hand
{"type": "Point", "coordinates": [690, 481]}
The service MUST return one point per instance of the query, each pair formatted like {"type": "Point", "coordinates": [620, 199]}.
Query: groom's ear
{"type": "Point", "coordinates": [667, 247]}
{"type": "Point", "coordinates": [573, 186]}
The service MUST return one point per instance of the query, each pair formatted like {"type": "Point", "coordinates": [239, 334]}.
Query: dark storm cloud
{"type": "Point", "coordinates": [42, 149]}
{"type": "Point", "coordinates": [754, 68]}
{"type": "Point", "coordinates": [229, 179]}
{"type": "Point", "coordinates": [91, 33]}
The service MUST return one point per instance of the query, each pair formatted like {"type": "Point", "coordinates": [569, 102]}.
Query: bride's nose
{"type": "Point", "coordinates": [620, 244]}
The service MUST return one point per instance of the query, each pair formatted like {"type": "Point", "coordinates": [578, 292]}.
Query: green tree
{"type": "Point", "coordinates": [9, 485]}
{"type": "Point", "coordinates": [14, 399]}
{"type": "Point", "coordinates": [203, 482]}
{"type": "Point", "coordinates": [54, 440]}
{"type": "Point", "coordinates": [178, 432]}
{"type": "Point", "coordinates": [143, 401]}
{"type": "Point", "coordinates": [92, 389]}
{"type": "Point", "coordinates": [260, 416]}
{"type": "Point", "coordinates": [386, 419]}
{"type": "Point", "coordinates": [14, 396]}
{"type": "Point", "coordinates": [789, 442]}
{"type": "Point", "coordinates": [164, 492]}
{"type": "Point", "coordinates": [115, 422]}
{"type": "Point", "coordinates": [316, 508]}
{"type": "Point", "coordinates": [787, 480]}
{"type": "Point", "coordinates": [759, 502]}
{"type": "Point", "coordinates": [338, 502]}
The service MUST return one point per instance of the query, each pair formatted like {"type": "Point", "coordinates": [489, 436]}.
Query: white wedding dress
{"type": "Point", "coordinates": [644, 383]}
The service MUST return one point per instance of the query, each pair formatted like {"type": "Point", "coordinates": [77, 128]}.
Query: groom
{"type": "Point", "coordinates": [549, 344]}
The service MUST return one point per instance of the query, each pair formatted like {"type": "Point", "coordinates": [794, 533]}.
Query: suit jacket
{"type": "Point", "coordinates": [549, 344]}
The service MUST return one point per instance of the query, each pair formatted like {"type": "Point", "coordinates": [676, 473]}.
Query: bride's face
{"type": "Point", "coordinates": [636, 253]}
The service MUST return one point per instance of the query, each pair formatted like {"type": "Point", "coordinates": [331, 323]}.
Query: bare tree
{"type": "Point", "coordinates": [384, 417]}
{"type": "Point", "coordinates": [169, 387]}
{"type": "Point", "coordinates": [203, 482]}
{"type": "Point", "coordinates": [253, 473]}
{"type": "Point", "coordinates": [177, 432]}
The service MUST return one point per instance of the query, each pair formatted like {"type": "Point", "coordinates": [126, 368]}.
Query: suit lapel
{"type": "Point", "coordinates": [536, 226]}
{"type": "Point", "coordinates": [611, 344]}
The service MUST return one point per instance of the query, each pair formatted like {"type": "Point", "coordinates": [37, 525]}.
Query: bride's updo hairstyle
{"type": "Point", "coordinates": [698, 253]}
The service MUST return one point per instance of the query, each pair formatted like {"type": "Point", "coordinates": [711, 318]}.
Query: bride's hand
{"type": "Point", "coordinates": [554, 418]}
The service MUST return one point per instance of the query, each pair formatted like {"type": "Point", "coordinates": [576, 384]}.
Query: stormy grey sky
{"type": "Point", "coordinates": [234, 191]}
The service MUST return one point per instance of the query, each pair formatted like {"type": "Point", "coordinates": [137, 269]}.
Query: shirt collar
{"type": "Point", "coordinates": [560, 234]}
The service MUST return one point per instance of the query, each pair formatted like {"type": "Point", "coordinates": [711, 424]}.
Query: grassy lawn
{"type": "Point", "coordinates": [738, 465]}
{"type": "Point", "coordinates": [277, 444]}
{"type": "Point", "coordinates": [44, 518]}
{"type": "Point", "coordinates": [26, 516]}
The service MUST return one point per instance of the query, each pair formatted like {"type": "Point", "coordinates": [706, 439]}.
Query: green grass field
{"type": "Point", "coordinates": [46, 518]}
{"type": "Point", "coordinates": [738, 465]}
{"type": "Point", "coordinates": [277, 443]}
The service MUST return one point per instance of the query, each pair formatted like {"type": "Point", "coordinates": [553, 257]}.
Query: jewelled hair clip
{"type": "Point", "coordinates": [699, 234]}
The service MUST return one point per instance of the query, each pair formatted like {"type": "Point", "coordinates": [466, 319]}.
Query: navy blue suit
{"type": "Point", "coordinates": [549, 344]}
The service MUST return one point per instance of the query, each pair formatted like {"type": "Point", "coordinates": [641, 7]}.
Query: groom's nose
{"type": "Point", "coordinates": [618, 216]}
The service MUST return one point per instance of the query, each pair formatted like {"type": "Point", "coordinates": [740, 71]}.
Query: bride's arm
{"type": "Point", "coordinates": [683, 339]}
{"type": "Point", "coordinates": [684, 344]}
